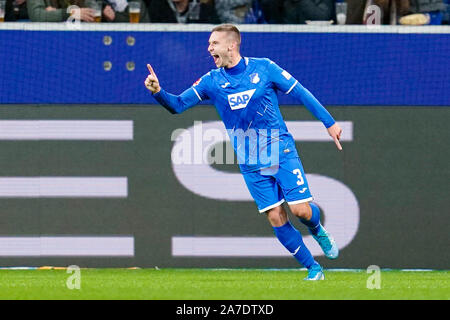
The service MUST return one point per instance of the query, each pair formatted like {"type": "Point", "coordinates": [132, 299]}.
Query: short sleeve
{"type": "Point", "coordinates": [281, 78]}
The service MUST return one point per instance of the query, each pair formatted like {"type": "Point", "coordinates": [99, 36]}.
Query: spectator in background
{"type": "Point", "coordinates": [446, 13]}
{"type": "Point", "coordinates": [239, 11]}
{"type": "Point", "coordinates": [409, 11]}
{"type": "Point", "coordinates": [425, 12]}
{"type": "Point", "coordinates": [355, 11]}
{"type": "Point", "coordinates": [16, 10]}
{"type": "Point", "coordinates": [233, 11]}
{"type": "Point", "coordinates": [401, 8]}
{"type": "Point", "coordinates": [426, 5]}
{"type": "Point", "coordinates": [148, 5]}
{"type": "Point", "coordinates": [56, 10]}
{"type": "Point", "coordinates": [299, 11]}
{"type": "Point", "coordinates": [183, 11]}
{"type": "Point", "coordinates": [273, 11]}
{"type": "Point", "coordinates": [117, 11]}
{"type": "Point", "coordinates": [391, 9]}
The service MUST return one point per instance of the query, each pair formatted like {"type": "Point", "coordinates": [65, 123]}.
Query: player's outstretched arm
{"type": "Point", "coordinates": [173, 103]}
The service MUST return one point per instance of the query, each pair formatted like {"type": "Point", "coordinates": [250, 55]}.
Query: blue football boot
{"type": "Point", "coordinates": [315, 273]}
{"type": "Point", "coordinates": [327, 243]}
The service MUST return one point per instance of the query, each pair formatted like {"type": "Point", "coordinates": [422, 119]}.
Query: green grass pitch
{"type": "Point", "coordinates": [229, 284]}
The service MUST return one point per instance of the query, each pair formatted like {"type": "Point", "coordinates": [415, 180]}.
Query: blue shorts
{"type": "Point", "coordinates": [272, 186]}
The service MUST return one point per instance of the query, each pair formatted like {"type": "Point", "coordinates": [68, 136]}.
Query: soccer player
{"type": "Point", "coordinates": [244, 92]}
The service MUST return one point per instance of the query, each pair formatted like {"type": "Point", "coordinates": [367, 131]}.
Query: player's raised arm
{"type": "Point", "coordinates": [173, 103]}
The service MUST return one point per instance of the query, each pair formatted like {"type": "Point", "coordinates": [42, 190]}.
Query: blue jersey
{"type": "Point", "coordinates": [245, 97]}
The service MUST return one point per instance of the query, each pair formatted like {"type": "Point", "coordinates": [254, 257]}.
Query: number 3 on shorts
{"type": "Point", "coordinates": [300, 180]}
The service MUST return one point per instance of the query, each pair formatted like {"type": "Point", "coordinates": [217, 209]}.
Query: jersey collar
{"type": "Point", "coordinates": [237, 69]}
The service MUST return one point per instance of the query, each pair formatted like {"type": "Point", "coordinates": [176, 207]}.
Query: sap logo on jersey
{"type": "Point", "coordinates": [240, 100]}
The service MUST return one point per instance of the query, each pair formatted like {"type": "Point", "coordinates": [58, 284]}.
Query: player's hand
{"type": "Point", "coordinates": [152, 82]}
{"type": "Point", "coordinates": [335, 132]}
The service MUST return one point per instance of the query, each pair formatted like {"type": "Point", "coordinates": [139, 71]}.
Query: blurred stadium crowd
{"type": "Point", "coordinates": [408, 12]}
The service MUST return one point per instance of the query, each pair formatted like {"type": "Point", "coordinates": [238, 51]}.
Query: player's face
{"type": "Point", "coordinates": [220, 48]}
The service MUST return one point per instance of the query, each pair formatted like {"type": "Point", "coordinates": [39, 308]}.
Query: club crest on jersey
{"type": "Point", "coordinates": [240, 100]}
{"type": "Point", "coordinates": [254, 78]}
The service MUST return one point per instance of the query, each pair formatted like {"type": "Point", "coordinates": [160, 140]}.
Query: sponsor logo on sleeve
{"type": "Point", "coordinates": [197, 82]}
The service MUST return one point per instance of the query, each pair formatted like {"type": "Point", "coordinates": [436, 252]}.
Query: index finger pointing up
{"type": "Point", "coordinates": [150, 69]}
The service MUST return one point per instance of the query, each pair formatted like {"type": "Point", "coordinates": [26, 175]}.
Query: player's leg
{"type": "Point", "coordinates": [309, 215]}
{"type": "Point", "coordinates": [269, 198]}
{"type": "Point", "coordinates": [277, 216]}
{"type": "Point", "coordinates": [292, 180]}
{"type": "Point", "coordinates": [291, 238]}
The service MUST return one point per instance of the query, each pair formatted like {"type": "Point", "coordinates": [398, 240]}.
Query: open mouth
{"type": "Point", "coordinates": [216, 58]}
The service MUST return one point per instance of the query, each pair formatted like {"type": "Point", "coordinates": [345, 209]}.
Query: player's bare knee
{"type": "Point", "coordinates": [301, 210]}
{"type": "Point", "coordinates": [277, 216]}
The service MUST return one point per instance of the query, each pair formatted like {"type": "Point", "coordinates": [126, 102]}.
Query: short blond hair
{"type": "Point", "coordinates": [231, 29]}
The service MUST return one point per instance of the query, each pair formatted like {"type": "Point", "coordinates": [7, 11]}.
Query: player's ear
{"type": "Point", "coordinates": [232, 46]}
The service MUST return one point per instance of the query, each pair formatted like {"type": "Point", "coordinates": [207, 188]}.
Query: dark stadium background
{"type": "Point", "coordinates": [393, 86]}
